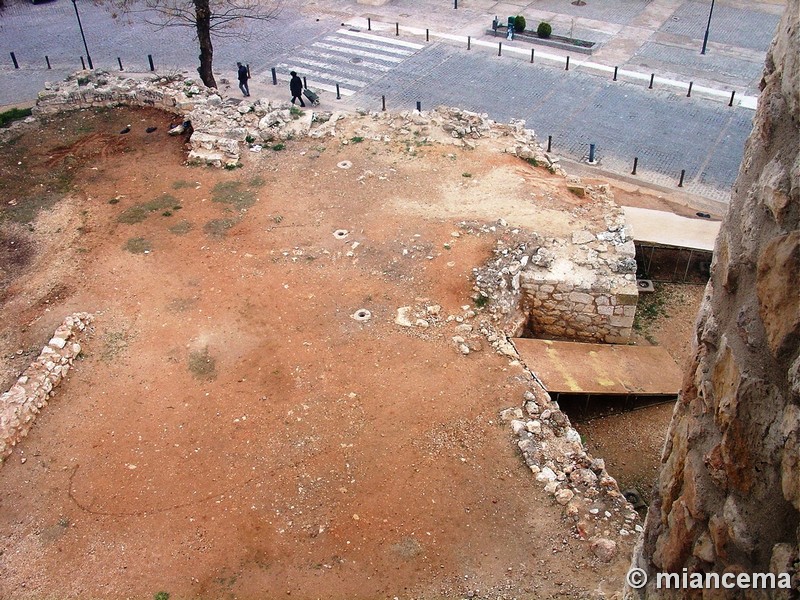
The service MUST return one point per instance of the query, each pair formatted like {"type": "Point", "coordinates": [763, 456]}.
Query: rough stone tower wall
{"type": "Point", "coordinates": [728, 495]}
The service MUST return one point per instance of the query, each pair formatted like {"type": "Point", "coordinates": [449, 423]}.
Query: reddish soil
{"type": "Point", "coordinates": [231, 431]}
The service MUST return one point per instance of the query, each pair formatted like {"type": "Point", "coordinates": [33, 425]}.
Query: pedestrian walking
{"type": "Point", "coordinates": [296, 87]}
{"type": "Point", "coordinates": [244, 75]}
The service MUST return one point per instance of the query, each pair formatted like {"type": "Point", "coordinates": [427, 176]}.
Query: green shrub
{"type": "Point", "coordinates": [13, 114]}
{"type": "Point", "coordinates": [544, 30]}
{"type": "Point", "coordinates": [519, 24]}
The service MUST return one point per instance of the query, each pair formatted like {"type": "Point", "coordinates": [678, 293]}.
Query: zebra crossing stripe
{"type": "Point", "coordinates": [324, 86]}
{"type": "Point", "coordinates": [377, 38]}
{"type": "Point", "coordinates": [363, 63]}
{"type": "Point", "coordinates": [305, 71]}
{"type": "Point", "coordinates": [393, 61]}
{"type": "Point", "coordinates": [370, 46]}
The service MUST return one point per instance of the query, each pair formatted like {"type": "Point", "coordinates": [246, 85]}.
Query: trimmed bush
{"type": "Point", "coordinates": [544, 30]}
{"type": "Point", "coordinates": [519, 24]}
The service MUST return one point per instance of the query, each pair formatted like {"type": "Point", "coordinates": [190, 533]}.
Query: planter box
{"type": "Point", "coordinates": [554, 41]}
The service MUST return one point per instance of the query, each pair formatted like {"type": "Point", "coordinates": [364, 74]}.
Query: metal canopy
{"type": "Point", "coordinates": [668, 229]}
{"type": "Point", "coordinates": [580, 368]}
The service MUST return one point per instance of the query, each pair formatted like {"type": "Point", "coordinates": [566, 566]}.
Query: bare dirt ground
{"type": "Point", "coordinates": [231, 431]}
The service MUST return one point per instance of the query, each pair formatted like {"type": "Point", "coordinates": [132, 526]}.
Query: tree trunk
{"type": "Point", "coordinates": [203, 13]}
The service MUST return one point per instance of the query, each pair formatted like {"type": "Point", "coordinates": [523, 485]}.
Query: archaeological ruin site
{"type": "Point", "coordinates": [251, 351]}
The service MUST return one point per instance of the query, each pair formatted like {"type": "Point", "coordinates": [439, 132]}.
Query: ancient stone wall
{"type": "Point", "coordinates": [728, 495]}
{"type": "Point", "coordinates": [20, 404]}
{"type": "Point", "coordinates": [583, 288]}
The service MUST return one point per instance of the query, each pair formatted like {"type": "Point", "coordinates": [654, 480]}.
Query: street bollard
{"type": "Point", "coordinates": [567, 67]}
{"type": "Point", "coordinates": [652, 77]}
{"type": "Point", "coordinates": [532, 50]}
{"type": "Point", "coordinates": [427, 35]}
{"type": "Point", "coordinates": [397, 28]}
{"type": "Point", "coordinates": [455, 4]}
{"type": "Point", "coordinates": [469, 42]}
{"type": "Point", "coordinates": [733, 93]}
{"type": "Point", "coordinates": [338, 95]}
{"type": "Point", "coordinates": [83, 63]}
{"type": "Point", "coordinates": [549, 142]}
{"type": "Point", "coordinates": [369, 24]}
{"type": "Point", "coordinates": [689, 93]}
{"type": "Point", "coordinates": [150, 59]}
{"type": "Point", "coordinates": [14, 60]}
{"type": "Point", "coordinates": [419, 106]}
{"type": "Point", "coordinates": [274, 76]}
{"type": "Point", "coordinates": [499, 48]}
{"type": "Point", "coordinates": [119, 60]}
{"type": "Point", "coordinates": [615, 73]}
{"type": "Point", "coordinates": [635, 164]}
{"type": "Point", "coordinates": [383, 103]}
{"type": "Point", "coordinates": [592, 160]}
{"type": "Point", "coordinates": [683, 174]}
{"type": "Point", "coordinates": [47, 60]}
{"type": "Point", "coordinates": [305, 83]}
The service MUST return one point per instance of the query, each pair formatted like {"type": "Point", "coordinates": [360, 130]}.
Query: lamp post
{"type": "Point", "coordinates": [705, 37]}
{"type": "Point", "coordinates": [89, 58]}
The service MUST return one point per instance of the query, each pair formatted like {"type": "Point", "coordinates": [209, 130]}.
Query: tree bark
{"type": "Point", "coordinates": [203, 12]}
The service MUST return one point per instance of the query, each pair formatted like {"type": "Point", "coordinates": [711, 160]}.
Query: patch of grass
{"type": "Point", "coordinates": [532, 161]}
{"type": "Point", "coordinates": [181, 228]}
{"type": "Point", "coordinates": [278, 147]}
{"type": "Point", "coordinates": [295, 112]}
{"type": "Point", "coordinates": [466, 174]}
{"type": "Point", "coordinates": [233, 166]}
{"type": "Point", "coordinates": [249, 139]}
{"type": "Point", "coordinates": [649, 310]}
{"type": "Point", "coordinates": [202, 365]}
{"type": "Point", "coordinates": [15, 114]}
{"type": "Point", "coordinates": [161, 596]}
{"type": "Point", "coordinates": [257, 182]}
{"type": "Point", "coordinates": [182, 185]}
{"type": "Point", "coordinates": [166, 213]}
{"type": "Point", "coordinates": [114, 201]}
{"type": "Point", "coordinates": [217, 228]}
{"type": "Point", "coordinates": [138, 245]}
{"type": "Point", "coordinates": [357, 139]}
{"type": "Point", "coordinates": [481, 301]}
{"type": "Point", "coordinates": [26, 209]}
{"type": "Point", "coordinates": [277, 218]}
{"type": "Point", "coordinates": [139, 212]}
{"type": "Point", "coordinates": [233, 193]}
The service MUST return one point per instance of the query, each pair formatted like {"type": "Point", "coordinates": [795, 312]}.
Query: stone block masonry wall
{"type": "Point", "coordinates": [20, 405]}
{"type": "Point", "coordinates": [728, 495]}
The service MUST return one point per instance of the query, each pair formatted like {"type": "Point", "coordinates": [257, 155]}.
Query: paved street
{"type": "Point", "coordinates": [664, 129]}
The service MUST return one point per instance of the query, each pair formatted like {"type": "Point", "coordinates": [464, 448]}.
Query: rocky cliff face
{"type": "Point", "coordinates": [728, 495]}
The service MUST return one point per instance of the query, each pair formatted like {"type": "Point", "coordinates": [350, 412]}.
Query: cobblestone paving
{"type": "Point", "coordinates": [729, 25]}
{"type": "Point", "coordinates": [665, 58]}
{"type": "Point", "coordinates": [621, 12]}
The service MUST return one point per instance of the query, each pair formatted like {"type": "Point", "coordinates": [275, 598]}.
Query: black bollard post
{"type": "Point", "coordinates": [338, 95]}
{"type": "Point", "coordinates": [683, 174]}
{"type": "Point", "coordinates": [592, 159]}
{"type": "Point", "coordinates": [455, 4]}
{"type": "Point", "coordinates": [567, 68]}
{"type": "Point", "coordinates": [119, 60]}
{"type": "Point", "coordinates": [469, 42]}
{"type": "Point", "coordinates": [652, 77]}
{"type": "Point", "coordinates": [427, 35]}
{"type": "Point", "coordinates": [499, 48]}
{"type": "Point", "coordinates": [83, 63]}
{"type": "Point", "coordinates": [47, 60]}
{"type": "Point", "coordinates": [397, 28]}
{"type": "Point", "coordinates": [689, 93]}
{"type": "Point", "coordinates": [549, 142]}
{"type": "Point", "coordinates": [419, 106]}
{"type": "Point", "coordinates": [383, 103]}
{"type": "Point", "coordinates": [305, 83]}
{"type": "Point", "coordinates": [615, 73]}
{"type": "Point", "coordinates": [635, 164]}
{"type": "Point", "coordinates": [150, 59]}
{"type": "Point", "coordinates": [369, 24]}
{"type": "Point", "coordinates": [532, 50]}
{"type": "Point", "coordinates": [274, 76]}
{"type": "Point", "coordinates": [733, 93]}
{"type": "Point", "coordinates": [14, 60]}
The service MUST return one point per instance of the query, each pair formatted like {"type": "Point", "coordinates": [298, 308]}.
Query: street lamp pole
{"type": "Point", "coordinates": [708, 26]}
{"type": "Point", "coordinates": [89, 58]}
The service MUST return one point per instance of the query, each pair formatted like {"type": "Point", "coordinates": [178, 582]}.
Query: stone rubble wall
{"type": "Point", "coordinates": [223, 129]}
{"type": "Point", "coordinates": [583, 288]}
{"type": "Point", "coordinates": [727, 498]}
{"type": "Point", "coordinates": [20, 404]}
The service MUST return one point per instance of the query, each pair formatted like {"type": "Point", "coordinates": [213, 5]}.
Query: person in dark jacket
{"type": "Point", "coordinates": [296, 87]}
{"type": "Point", "coordinates": [244, 75]}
